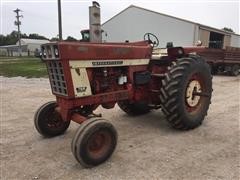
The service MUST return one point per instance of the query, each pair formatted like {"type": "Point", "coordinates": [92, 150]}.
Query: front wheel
{"type": "Point", "coordinates": [186, 93]}
{"type": "Point", "coordinates": [94, 142]}
{"type": "Point", "coordinates": [49, 122]}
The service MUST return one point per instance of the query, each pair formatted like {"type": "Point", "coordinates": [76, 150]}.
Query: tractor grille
{"type": "Point", "coordinates": [56, 77]}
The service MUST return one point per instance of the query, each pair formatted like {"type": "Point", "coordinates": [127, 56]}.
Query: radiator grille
{"type": "Point", "coordinates": [56, 77]}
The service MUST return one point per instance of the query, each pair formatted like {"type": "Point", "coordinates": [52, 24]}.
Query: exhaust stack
{"type": "Point", "coordinates": [95, 22]}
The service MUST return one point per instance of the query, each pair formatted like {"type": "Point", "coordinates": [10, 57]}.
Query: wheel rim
{"type": "Point", "coordinates": [194, 87]}
{"type": "Point", "coordinates": [54, 121]}
{"type": "Point", "coordinates": [99, 144]}
{"type": "Point", "coordinates": [235, 71]}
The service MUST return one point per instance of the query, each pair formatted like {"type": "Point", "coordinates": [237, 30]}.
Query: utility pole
{"type": "Point", "coordinates": [18, 23]}
{"type": "Point", "coordinates": [59, 20]}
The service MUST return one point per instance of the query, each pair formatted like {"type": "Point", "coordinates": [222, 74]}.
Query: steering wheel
{"type": "Point", "coordinates": [151, 38]}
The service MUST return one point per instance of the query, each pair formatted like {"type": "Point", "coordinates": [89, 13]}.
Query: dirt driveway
{"type": "Point", "coordinates": [147, 148]}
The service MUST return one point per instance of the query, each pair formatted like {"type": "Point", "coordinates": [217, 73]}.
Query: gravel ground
{"type": "Point", "coordinates": [147, 148]}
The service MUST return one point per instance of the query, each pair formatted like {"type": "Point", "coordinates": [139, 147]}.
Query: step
{"type": "Point", "coordinates": [155, 90]}
{"type": "Point", "coordinates": [158, 75]}
{"type": "Point", "coordinates": [154, 106]}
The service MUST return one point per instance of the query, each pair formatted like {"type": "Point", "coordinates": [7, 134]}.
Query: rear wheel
{"type": "Point", "coordinates": [214, 69]}
{"type": "Point", "coordinates": [49, 122]}
{"type": "Point", "coordinates": [137, 108]}
{"type": "Point", "coordinates": [94, 142]}
{"type": "Point", "coordinates": [186, 93]}
{"type": "Point", "coordinates": [235, 70]}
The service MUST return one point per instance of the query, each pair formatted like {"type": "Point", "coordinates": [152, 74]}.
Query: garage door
{"type": "Point", "coordinates": [227, 39]}
{"type": "Point", "coordinates": [204, 37]}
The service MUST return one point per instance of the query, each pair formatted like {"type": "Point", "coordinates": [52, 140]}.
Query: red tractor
{"type": "Point", "coordinates": [136, 76]}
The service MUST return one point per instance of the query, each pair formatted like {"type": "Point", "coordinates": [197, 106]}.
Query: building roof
{"type": "Point", "coordinates": [205, 26]}
{"type": "Point", "coordinates": [13, 47]}
{"type": "Point", "coordinates": [25, 43]}
{"type": "Point", "coordinates": [34, 41]}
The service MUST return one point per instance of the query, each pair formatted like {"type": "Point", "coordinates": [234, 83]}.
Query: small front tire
{"type": "Point", "coordinates": [49, 122]}
{"type": "Point", "coordinates": [94, 142]}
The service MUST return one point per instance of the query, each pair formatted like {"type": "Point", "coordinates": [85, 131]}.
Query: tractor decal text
{"type": "Point", "coordinates": [81, 89]}
{"type": "Point", "coordinates": [101, 63]}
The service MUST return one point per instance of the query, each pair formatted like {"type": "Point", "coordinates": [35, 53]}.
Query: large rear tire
{"type": "Point", "coordinates": [186, 93]}
{"type": "Point", "coordinates": [134, 109]}
{"type": "Point", "coordinates": [235, 70]}
{"type": "Point", "coordinates": [214, 69]}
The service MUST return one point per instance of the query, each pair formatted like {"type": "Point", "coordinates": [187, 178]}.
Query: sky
{"type": "Point", "coordinates": [40, 16]}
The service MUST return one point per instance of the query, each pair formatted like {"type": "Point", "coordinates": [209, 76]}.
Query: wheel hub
{"type": "Point", "coordinates": [54, 120]}
{"type": "Point", "coordinates": [99, 143]}
{"type": "Point", "coordinates": [193, 87]}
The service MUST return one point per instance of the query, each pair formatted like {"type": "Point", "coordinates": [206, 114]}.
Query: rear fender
{"type": "Point", "coordinates": [176, 52]}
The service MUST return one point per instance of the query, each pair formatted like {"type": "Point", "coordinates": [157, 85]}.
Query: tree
{"type": "Point", "coordinates": [70, 38]}
{"type": "Point", "coordinates": [228, 29]}
{"type": "Point", "coordinates": [9, 39]}
{"type": "Point", "coordinates": [12, 38]}
{"type": "Point", "coordinates": [36, 36]}
{"type": "Point", "coordinates": [24, 35]}
{"type": "Point", "coordinates": [54, 39]}
{"type": "Point", "coordinates": [14, 34]}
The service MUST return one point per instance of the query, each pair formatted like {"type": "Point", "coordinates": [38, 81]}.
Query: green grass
{"type": "Point", "coordinates": [25, 66]}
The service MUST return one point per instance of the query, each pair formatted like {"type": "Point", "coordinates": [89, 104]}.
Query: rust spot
{"type": "Point", "coordinates": [69, 47]}
{"type": "Point", "coordinates": [97, 32]}
{"type": "Point", "coordinates": [82, 49]}
{"type": "Point", "coordinates": [101, 52]}
{"type": "Point", "coordinates": [121, 51]}
{"type": "Point", "coordinates": [78, 71]}
{"type": "Point", "coordinates": [122, 95]}
{"type": "Point", "coordinates": [96, 14]}
{"type": "Point", "coordinates": [78, 118]}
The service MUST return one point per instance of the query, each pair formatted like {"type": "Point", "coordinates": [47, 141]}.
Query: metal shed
{"type": "Point", "coordinates": [28, 46]}
{"type": "Point", "coordinates": [133, 22]}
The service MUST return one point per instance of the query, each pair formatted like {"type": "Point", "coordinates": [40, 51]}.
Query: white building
{"type": "Point", "coordinates": [133, 22]}
{"type": "Point", "coordinates": [28, 46]}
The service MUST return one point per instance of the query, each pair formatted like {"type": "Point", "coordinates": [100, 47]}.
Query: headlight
{"type": "Point", "coordinates": [49, 52]}
{"type": "Point", "coordinates": [56, 52]}
{"type": "Point", "coordinates": [44, 53]}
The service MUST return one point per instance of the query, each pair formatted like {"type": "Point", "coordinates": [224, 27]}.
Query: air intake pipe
{"type": "Point", "coordinates": [95, 22]}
